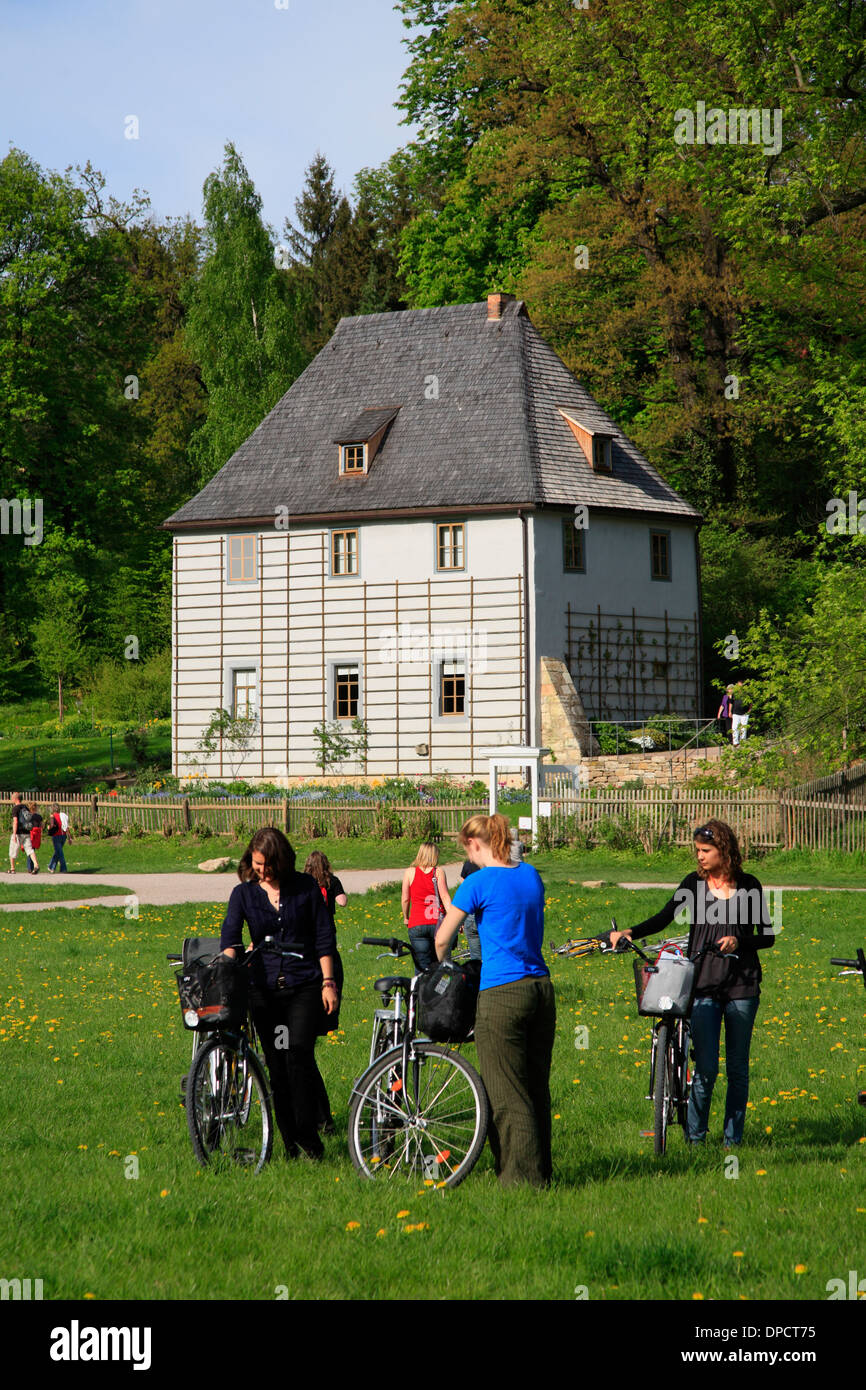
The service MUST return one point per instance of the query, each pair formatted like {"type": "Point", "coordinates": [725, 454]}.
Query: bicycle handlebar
{"type": "Point", "coordinates": [392, 943]}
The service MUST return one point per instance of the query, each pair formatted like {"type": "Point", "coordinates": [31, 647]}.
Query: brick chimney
{"type": "Point", "coordinates": [496, 305]}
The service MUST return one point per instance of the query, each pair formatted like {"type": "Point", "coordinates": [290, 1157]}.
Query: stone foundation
{"type": "Point", "coordinates": [657, 769]}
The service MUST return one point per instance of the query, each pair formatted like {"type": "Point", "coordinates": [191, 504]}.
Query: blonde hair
{"type": "Point", "coordinates": [427, 856]}
{"type": "Point", "coordinates": [493, 831]}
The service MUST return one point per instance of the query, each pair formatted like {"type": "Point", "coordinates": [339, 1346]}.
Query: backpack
{"type": "Point", "coordinates": [36, 836]}
{"type": "Point", "coordinates": [448, 999]}
{"type": "Point", "coordinates": [25, 821]}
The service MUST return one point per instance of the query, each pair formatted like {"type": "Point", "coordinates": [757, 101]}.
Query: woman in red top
{"type": "Point", "coordinates": [425, 901]}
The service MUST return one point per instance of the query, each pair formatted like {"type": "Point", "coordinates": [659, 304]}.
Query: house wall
{"type": "Point", "coordinates": [398, 619]}
{"type": "Point", "coordinates": [618, 581]}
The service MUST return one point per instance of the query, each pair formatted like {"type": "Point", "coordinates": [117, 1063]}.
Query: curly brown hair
{"type": "Point", "coordinates": [318, 866]}
{"type": "Point", "coordinates": [720, 834]}
{"type": "Point", "coordinates": [279, 856]}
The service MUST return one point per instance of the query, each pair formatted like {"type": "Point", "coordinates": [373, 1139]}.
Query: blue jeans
{"type": "Point", "coordinates": [706, 1026]}
{"type": "Point", "coordinates": [57, 856]}
{"type": "Point", "coordinates": [473, 940]}
{"type": "Point", "coordinates": [421, 939]}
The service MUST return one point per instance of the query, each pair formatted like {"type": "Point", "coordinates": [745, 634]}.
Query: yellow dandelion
{"type": "Point", "coordinates": [799, 1269]}
{"type": "Point", "coordinates": [401, 1214]}
{"type": "Point", "coordinates": [353, 1225]}
{"type": "Point", "coordinates": [165, 1191]}
{"type": "Point", "coordinates": [738, 1254]}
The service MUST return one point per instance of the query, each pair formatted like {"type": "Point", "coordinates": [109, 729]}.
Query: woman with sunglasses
{"type": "Point", "coordinates": [726, 907]}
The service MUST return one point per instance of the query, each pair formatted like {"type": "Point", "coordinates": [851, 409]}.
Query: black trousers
{"type": "Point", "coordinates": [287, 1023]}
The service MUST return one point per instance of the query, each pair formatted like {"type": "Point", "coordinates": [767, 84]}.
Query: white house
{"type": "Point", "coordinates": [435, 530]}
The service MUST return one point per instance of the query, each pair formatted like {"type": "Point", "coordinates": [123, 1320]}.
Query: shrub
{"type": "Point", "coordinates": [616, 833]}
{"type": "Point", "coordinates": [343, 825]}
{"type": "Point", "coordinates": [136, 744]}
{"type": "Point", "coordinates": [133, 830]}
{"type": "Point", "coordinates": [422, 825]}
{"type": "Point", "coordinates": [387, 824]}
{"type": "Point", "coordinates": [203, 830]}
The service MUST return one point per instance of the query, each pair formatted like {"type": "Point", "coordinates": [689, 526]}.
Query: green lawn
{"type": "Point", "coordinates": [22, 889]}
{"type": "Point", "coordinates": [92, 1035]}
{"type": "Point", "coordinates": [58, 761]}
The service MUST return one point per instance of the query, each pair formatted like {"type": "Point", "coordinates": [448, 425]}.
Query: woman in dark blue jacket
{"type": "Point", "coordinates": [289, 995]}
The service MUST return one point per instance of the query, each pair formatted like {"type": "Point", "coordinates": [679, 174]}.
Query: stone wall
{"type": "Point", "coordinates": [564, 727]}
{"type": "Point", "coordinates": [657, 769]}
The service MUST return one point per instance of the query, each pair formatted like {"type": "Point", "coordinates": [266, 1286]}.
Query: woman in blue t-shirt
{"type": "Point", "coordinates": [516, 1019]}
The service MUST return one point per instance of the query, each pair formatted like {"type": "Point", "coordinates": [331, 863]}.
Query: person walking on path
{"type": "Point", "coordinates": [425, 900]}
{"type": "Point", "coordinates": [724, 712]}
{"type": "Point", "coordinates": [516, 1019]}
{"type": "Point", "coordinates": [58, 830]}
{"type": "Point", "coordinates": [726, 907]}
{"type": "Point", "coordinates": [20, 836]}
{"type": "Point", "coordinates": [739, 714]}
{"type": "Point", "coordinates": [35, 833]}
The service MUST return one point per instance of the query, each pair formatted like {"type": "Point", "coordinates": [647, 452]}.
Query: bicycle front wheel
{"type": "Point", "coordinates": [228, 1107]}
{"type": "Point", "coordinates": [662, 1087]}
{"type": "Point", "coordinates": [430, 1126]}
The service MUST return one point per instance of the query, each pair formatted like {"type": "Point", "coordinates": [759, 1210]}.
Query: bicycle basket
{"type": "Point", "coordinates": [666, 988]}
{"type": "Point", "coordinates": [447, 1000]}
{"type": "Point", "coordinates": [213, 992]}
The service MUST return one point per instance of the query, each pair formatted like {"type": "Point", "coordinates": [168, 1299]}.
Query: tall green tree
{"type": "Point", "coordinates": [241, 317]}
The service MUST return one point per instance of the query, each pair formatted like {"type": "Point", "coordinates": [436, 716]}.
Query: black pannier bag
{"type": "Point", "coordinates": [213, 989]}
{"type": "Point", "coordinates": [448, 999]}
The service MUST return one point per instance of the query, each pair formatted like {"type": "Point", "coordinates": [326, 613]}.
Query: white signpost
{"type": "Point", "coordinates": [513, 759]}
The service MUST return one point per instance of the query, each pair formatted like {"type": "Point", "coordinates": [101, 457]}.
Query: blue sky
{"type": "Point", "coordinates": [280, 83]}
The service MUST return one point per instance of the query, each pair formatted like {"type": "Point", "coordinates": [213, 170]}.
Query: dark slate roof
{"type": "Point", "coordinates": [365, 425]}
{"type": "Point", "coordinates": [478, 425]}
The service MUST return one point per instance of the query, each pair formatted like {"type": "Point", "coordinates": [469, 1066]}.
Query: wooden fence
{"type": "Point", "coordinates": [302, 817]}
{"type": "Point", "coordinates": [762, 819]}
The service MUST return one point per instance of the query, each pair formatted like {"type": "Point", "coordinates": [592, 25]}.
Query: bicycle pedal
{"type": "Point", "coordinates": [647, 1133]}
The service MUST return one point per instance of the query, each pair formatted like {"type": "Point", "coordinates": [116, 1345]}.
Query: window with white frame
{"type": "Point", "coordinates": [344, 552]}
{"type": "Point", "coordinates": [450, 547]}
{"type": "Point", "coordinates": [452, 688]}
{"type": "Point", "coordinates": [243, 694]}
{"type": "Point", "coordinates": [242, 567]}
{"type": "Point", "coordinates": [346, 692]}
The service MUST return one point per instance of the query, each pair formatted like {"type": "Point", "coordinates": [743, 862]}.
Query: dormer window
{"type": "Point", "coordinates": [601, 453]}
{"type": "Point", "coordinates": [353, 458]}
{"type": "Point", "coordinates": [362, 439]}
{"type": "Point", "coordinates": [595, 442]}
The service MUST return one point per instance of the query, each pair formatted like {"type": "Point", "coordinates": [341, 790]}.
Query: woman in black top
{"type": "Point", "coordinates": [288, 995]}
{"type": "Point", "coordinates": [727, 907]}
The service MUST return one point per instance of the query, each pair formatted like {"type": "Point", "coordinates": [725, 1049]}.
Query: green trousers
{"type": "Point", "coordinates": [514, 1031]}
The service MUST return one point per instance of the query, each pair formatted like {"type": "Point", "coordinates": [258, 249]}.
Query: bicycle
{"type": "Point", "coordinates": [670, 1078]}
{"type": "Point", "coordinates": [419, 1109]}
{"type": "Point", "coordinates": [853, 967]}
{"type": "Point", "coordinates": [226, 1095]}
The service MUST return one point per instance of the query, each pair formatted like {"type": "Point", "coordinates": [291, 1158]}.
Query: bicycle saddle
{"type": "Point", "coordinates": [389, 983]}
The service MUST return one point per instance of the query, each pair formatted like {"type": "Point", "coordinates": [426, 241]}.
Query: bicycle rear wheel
{"type": "Point", "coordinates": [430, 1127]}
{"type": "Point", "coordinates": [228, 1107]}
{"type": "Point", "coordinates": [662, 1087]}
